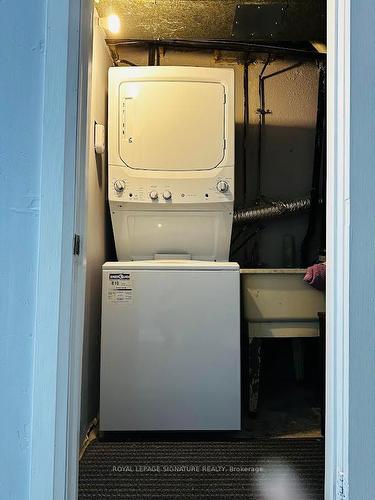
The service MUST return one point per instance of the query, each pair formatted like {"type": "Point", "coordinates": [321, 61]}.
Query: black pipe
{"type": "Point", "coordinates": [151, 54]}
{"type": "Point", "coordinates": [323, 229]}
{"type": "Point", "coordinates": [283, 70]}
{"type": "Point", "coordinates": [245, 124]}
{"type": "Point", "coordinates": [221, 45]}
{"type": "Point", "coordinates": [319, 162]}
{"type": "Point", "coordinates": [158, 56]}
{"type": "Point", "coordinates": [261, 113]}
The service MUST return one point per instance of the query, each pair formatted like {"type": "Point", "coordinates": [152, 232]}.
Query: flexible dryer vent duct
{"type": "Point", "coordinates": [272, 211]}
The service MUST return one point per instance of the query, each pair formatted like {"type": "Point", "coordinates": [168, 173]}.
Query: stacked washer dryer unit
{"type": "Point", "coordinates": [170, 352]}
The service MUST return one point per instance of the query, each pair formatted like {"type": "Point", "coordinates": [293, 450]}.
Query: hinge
{"type": "Point", "coordinates": [225, 144]}
{"type": "Point", "coordinates": [341, 487]}
{"type": "Point", "coordinates": [76, 244]}
{"type": "Point", "coordinates": [225, 98]}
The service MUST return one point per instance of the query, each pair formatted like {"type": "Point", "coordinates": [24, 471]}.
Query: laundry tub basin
{"type": "Point", "coordinates": [278, 303]}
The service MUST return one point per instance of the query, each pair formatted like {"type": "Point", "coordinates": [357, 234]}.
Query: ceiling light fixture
{"type": "Point", "coordinates": [114, 24]}
{"type": "Point", "coordinates": [111, 23]}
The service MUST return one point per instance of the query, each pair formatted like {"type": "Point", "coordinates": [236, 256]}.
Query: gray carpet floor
{"type": "Point", "coordinates": [259, 469]}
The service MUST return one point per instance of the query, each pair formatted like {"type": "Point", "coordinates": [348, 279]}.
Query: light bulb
{"type": "Point", "coordinates": [114, 23]}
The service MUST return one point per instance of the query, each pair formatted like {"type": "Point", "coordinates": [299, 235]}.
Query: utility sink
{"type": "Point", "coordinates": [278, 303]}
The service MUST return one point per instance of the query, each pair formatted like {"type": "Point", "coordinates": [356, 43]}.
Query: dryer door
{"type": "Point", "coordinates": [172, 125]}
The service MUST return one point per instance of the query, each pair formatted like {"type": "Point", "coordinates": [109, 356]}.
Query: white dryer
{"type": "Point", "coordinates": [171, 161]}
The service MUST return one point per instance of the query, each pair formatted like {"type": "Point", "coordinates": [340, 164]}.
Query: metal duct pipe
{"type": "Point", "coordinates": [272, 211]}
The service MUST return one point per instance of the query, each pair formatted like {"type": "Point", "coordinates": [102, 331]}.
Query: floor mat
{"type": "Point", "coordinates": [269, 469]}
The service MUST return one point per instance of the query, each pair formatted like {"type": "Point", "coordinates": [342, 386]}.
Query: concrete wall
{"type": "Point", "coordinates": [288, 138]}
{"type": "Point", "coordinates": [21, 105]}
{"type": "Point", "coordinates": [98, 231]}
{"type": "Point", "coordinates": [287, 149]}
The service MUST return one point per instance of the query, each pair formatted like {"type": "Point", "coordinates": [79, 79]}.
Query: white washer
{"type": "Point", "coordinates": [170, 348]}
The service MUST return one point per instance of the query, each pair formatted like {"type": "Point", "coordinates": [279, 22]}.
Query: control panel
{"type": "Point", "coordinates": [159, 191]}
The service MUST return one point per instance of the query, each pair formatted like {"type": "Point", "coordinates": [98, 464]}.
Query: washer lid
{"type": "Point", "coordinates": [175, 265]}
{"type": "Point", "coordinates": [172, 125]}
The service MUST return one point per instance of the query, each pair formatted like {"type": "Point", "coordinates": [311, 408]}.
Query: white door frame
{"type": "Point", "coordinates": [61, 275]}
{"type": "Point", "coordinates": [338, 212]}
{"type": "Point", "coordinates": [60, 289]}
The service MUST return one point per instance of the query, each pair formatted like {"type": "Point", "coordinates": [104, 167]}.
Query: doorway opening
{"type": "Point", "coordinates": [278, 232]}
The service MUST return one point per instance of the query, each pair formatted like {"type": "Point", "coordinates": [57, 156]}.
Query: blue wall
{"type": "Point", "coordinates": [22, 32]}
{"type": "Point", "coordinates": [362, 254]}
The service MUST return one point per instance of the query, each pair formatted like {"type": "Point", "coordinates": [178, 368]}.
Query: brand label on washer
{"type": "Point", "coordinates": [120, 288]}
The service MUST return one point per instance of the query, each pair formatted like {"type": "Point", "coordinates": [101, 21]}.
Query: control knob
{"type": "Point", "coordinates": [119, 186]}
{"type": "Point", "coordinates": [222, 186]}
{"type": "Point", "coordinates": [167, 195]}
{"type": "Point", "coordinates": [154, 195]}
